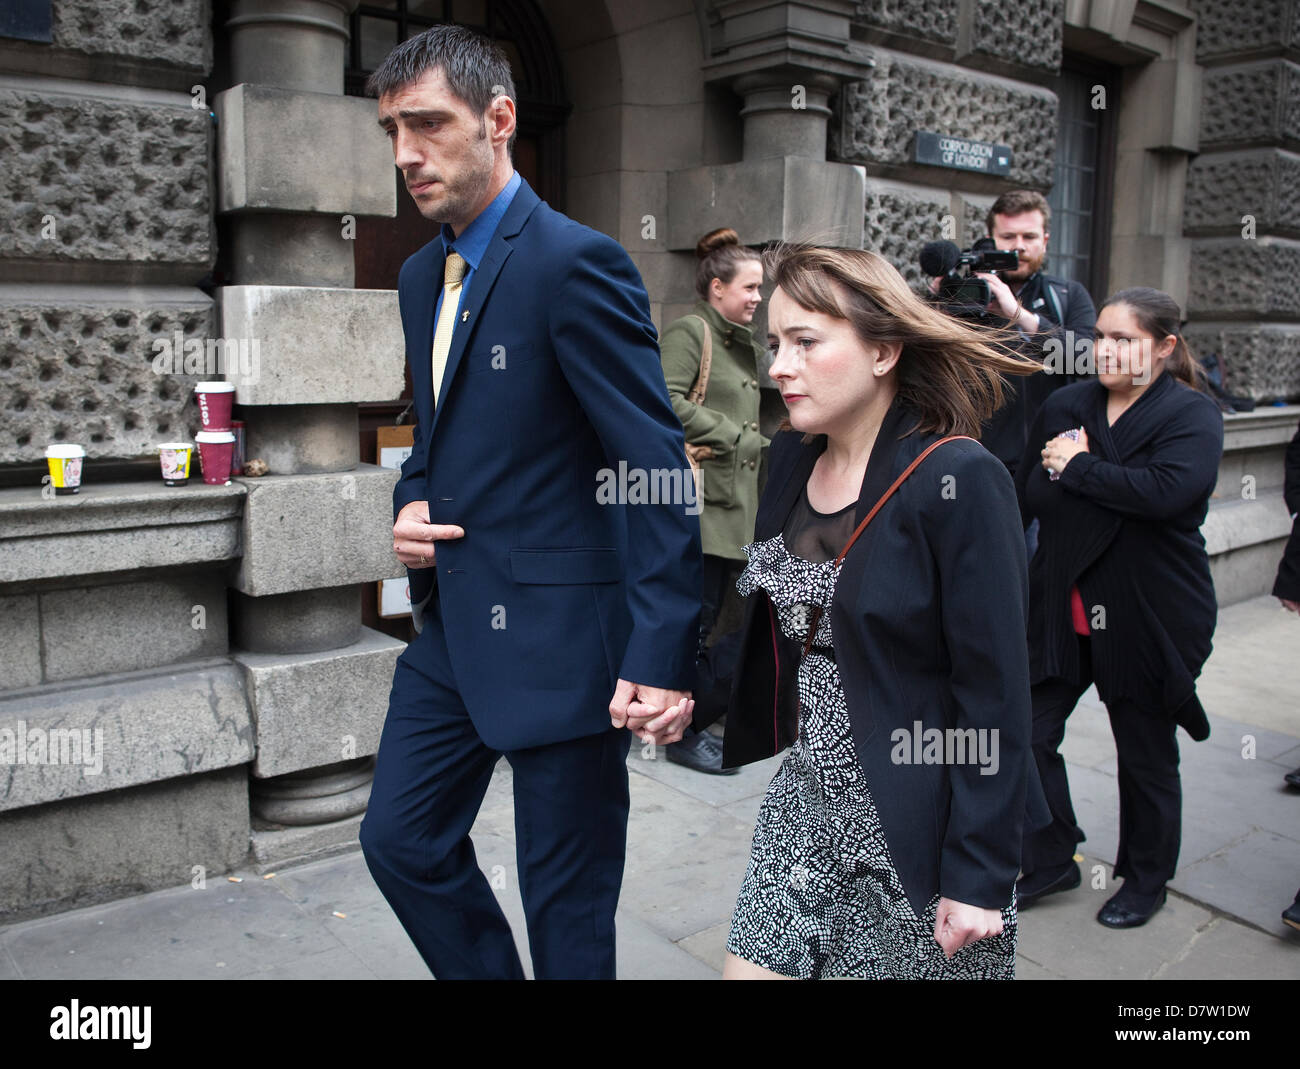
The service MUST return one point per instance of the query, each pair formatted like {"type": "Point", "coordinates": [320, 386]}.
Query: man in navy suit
{"type": "Point", "coordinates": [536, 372]}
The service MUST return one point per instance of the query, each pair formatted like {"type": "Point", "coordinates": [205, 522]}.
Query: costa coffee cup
{"type": "Point", "coordinates": [64, 460]}
{"type": "Point", "coordinates": [174, 458]}
{"type": "Point", "coordinates": [215, 401]}
{"type": "Point", "coordinates": [215, 448]}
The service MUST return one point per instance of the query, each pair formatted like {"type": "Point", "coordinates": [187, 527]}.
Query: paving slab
{"type": "Point", "coordinates": [1224, 949]}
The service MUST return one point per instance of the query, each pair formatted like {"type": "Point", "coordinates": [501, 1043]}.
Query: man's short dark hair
{"type": "Point", "coordinates": [476, 69]}
{"type": "Point", "coordinates": [1016, 202]}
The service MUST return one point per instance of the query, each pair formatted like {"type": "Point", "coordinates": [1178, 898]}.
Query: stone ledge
{"type": "Point", "coordinates": [350, 513]}
{"type": "Point", "coordinates": [87, 850]}
{"type": "Point", "coordinates": [114, 527]}
{"type": "Point", "coordinates": [314, 345]}
{"type": "Point", "coordinates": [785, 197]}
{"type": "Point", "coordinates": [154, 727]}
{"type": "Point", "coordinates": [315, 709]}
{"type": "Point", "coordinates": [1232, 525]}
{"type": "Point", "coordinates": [265, 134]}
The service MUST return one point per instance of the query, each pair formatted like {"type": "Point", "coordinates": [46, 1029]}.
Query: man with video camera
{"type": "Point", "coordinates": [1054, 317]}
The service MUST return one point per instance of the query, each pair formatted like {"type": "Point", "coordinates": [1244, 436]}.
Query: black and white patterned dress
{"type": "Point", "coordinates": [821, 896]}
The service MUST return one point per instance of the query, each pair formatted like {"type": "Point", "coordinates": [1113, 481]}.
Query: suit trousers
{"type": "Point", "coordinates": [1150, 790]}
{"type": "Point", "coordinates": [571, 806]}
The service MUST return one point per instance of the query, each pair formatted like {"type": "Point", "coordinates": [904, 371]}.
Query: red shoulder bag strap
{"type": "Point", "coordinates": [817, 612]}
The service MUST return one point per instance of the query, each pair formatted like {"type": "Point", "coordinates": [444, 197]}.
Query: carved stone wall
{"type": "Point", "coordinates": [84, 372]}
{"type": "Point", "coordinates": [1227, 28]}
{"type": "Point", "coordinates": [1024, 34]}
{"type": "Point", "coordinates": [874, 119]}
{"type": "Point", "coordinates": [931, 20]}
{"type": "Point", "coordinates": [897, 224]}
{"type": "Point", "coordinates": [104, 180]}
{"type": "Point", "coordinates": [1261, 361]}
{"type": "Point", "coordinates": [1224, 188]}
{"type": "Point", "coordinates": [171, 31]}
{"type": "Point", "coordinates": [1251, 102]}
{"type": "Point", "coordinates": [1247, 279]}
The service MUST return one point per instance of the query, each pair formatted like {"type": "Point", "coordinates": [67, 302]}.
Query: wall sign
{"type": "Point", "coordinates": [960, 153]}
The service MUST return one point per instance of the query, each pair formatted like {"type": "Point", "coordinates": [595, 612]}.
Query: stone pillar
{"type": "Point", "coordinates": [785, 112]}
{"type": "Point", "coordinates": [319, 524]}
{"type": "Point", "coordinates": [1241, 212]}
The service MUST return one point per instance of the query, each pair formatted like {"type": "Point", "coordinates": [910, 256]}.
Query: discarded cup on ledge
{"type": "Point", "coordinates": [64, 460]}
{"type": "Point", "coordinates": [215, 448]}
{"type": "Point", "coordinates": [175, 458]}
{"type": "Point", "coordinates": [215, 402]}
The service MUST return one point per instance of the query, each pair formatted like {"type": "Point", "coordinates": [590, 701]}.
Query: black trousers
{"type": "Point", "coordinates": [1150, 791]}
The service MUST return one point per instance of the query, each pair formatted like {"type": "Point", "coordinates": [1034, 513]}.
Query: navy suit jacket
{"type": "Point", "coordinates": [553, 375]}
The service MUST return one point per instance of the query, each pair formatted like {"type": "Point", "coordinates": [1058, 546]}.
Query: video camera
{"type": "Point", "coordinates": [961, 294]}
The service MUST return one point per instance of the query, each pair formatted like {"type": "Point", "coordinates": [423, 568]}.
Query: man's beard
{"type": "Point", "coordinates": [1026, 269]}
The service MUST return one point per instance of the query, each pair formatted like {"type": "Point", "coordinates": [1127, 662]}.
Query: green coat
{"type": "Point", "coordinates": [727, 422]}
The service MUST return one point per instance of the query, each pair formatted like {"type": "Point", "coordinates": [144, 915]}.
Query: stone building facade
{"type": "Point", "coordinates": [204, 171]}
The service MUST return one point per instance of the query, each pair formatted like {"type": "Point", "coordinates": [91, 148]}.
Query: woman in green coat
{"type": "Point", "coordinates": [728, 280]}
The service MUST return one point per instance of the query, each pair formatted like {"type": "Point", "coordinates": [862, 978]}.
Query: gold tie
{"type": "Point", "coordinates": [452, 273]}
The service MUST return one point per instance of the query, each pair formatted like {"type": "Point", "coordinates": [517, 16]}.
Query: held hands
{"type": "Point", "coordinates": [652, 714]}
{"type": "Point", "coordinates": [957, 925]}
{"type": "Point", "coordinates": [414, 535]}
{"type": "Point", "coordinates": [1059, 451]}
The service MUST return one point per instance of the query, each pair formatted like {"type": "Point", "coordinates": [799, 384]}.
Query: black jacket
{"type": "Point", "coordinates": [1287, 584]}
{"type": "Point", "coordinates": [1123, 523]}
{"type": "Point", "coordinates": [928, 623]}
{"type": "Point", "coordinates": [1066, 316]}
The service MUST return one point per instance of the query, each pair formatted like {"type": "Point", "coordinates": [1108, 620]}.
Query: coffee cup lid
{"type": "Point", "coordinates": [175, 445]}
{"type": "Point", "coordinates": [214, 437]}
{"type": "Point", "coordinates": [64, 451]}
{"type": "Point", "coordinates": [214, 387]}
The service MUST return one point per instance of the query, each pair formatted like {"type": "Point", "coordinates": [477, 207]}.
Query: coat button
{"type": "Point", "coordinates": [754, 383]}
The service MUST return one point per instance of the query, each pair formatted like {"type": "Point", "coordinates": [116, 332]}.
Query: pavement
{"type": "Point", "coordinates": [688, 843]}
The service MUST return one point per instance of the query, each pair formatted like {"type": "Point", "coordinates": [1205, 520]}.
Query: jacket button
{"type": "Point", "coordinates": [754, 383]}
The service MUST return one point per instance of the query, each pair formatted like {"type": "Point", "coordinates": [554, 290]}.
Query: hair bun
{"type": "Point", "coordinates": [716, 239]}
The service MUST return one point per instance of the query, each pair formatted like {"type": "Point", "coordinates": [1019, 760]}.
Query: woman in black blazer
{"type": "Point", "coordinates": [1120, 589]}
{"type": "Point", "coordinates": [889, 841]}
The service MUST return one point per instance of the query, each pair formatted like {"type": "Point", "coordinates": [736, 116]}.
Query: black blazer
{"type": "Point", "coordinates": [1287, 584]}
{"type": "Point", "coordinates": [1123, 524]}
{"type": "Point", "coordinates": [928, 623]}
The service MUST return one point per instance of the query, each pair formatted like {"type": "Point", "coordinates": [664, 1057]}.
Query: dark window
{"type": "Point", "coordinates": [27, 20]}
{"type": "Point", "coordinates": [1079, 247]}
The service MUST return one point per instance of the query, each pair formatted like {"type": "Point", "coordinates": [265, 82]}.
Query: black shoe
{"type": "Point", "coordinates": [1293, 778]}
{"type": "Point", "coordinates": [1130, 910]}
{"type": "Point", "coordinates": [1292, 914]}
{"type": "Point", "coordinates": [1035, 885]}
{"type": "Point", "coordinates": [702, 752]}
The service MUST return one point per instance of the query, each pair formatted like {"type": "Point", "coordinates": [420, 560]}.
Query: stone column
{"type": "Point", "coordinates": [298, 162]}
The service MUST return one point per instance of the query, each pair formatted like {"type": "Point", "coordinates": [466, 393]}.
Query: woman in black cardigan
{"type": "Point", "coordinates": [889, 841]}
{"type": "Point", "coordinates": [1119, 471]}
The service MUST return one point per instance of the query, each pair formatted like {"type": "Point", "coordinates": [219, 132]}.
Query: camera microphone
{"type": "Point", "coordinates": [938, 258]}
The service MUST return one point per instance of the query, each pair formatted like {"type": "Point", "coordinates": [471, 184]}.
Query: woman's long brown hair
{"type": "Point", "coordinates": [949, 371]}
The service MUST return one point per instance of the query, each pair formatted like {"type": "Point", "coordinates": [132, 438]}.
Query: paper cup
{"type": "Point", "coordinates": [215, 448]}
{"type": "Point", "coordinates": [215, 401]}
{"type": "Point", "coordinates": [64, 460]}
{"type": "Point", "coordinates": [175, 459]}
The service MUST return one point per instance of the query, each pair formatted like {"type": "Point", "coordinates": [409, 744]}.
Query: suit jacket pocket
{"type": "Point", "coordinates": [558, 566]}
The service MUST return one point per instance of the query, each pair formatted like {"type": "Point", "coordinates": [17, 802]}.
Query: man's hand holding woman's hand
{"type": "Point", "coordinates": [652, 714]}
{"type": "Point", "coordinates": [414, 535]}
